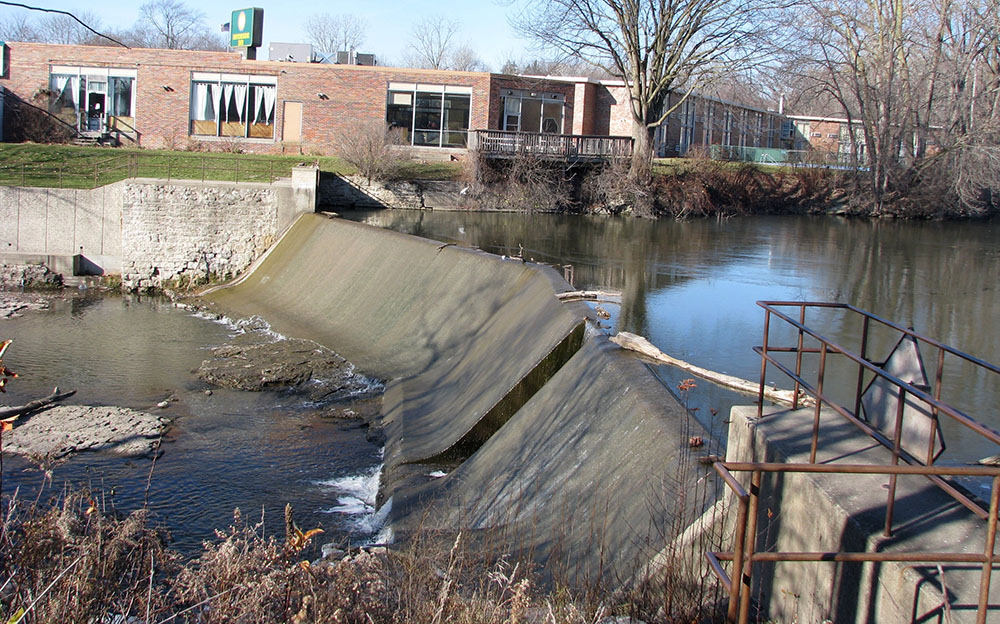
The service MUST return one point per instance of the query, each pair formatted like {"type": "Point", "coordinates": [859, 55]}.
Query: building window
{"type": "Point", "coordinates": [239, 106]}
{"type": "Point", "coordinates": [526, 111]}
{"type": "Point", "coordinates": [687, 126]}
{"type": "Point", "coordinates": [430, 115]}
{"type": "Point", "coordinates": [93, 99]}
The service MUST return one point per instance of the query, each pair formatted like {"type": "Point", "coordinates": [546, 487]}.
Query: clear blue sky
{"type": "Point", "coordinates": [483, 24]}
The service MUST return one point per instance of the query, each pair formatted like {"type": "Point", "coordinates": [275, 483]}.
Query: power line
{"type": "Point", "coordinates": [78, 20]}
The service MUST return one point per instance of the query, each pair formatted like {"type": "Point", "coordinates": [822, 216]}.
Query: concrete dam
{"type": "Point", "coordinates": [547, 433]}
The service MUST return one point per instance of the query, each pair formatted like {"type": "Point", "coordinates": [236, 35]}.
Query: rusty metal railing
{"type": "Point", "coordinates": [865, 365]}
{"type": "Point", "coordinates": [744, 555]}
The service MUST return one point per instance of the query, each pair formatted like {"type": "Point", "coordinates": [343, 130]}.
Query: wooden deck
{"type": "Point", "coordinates": [570, 147]}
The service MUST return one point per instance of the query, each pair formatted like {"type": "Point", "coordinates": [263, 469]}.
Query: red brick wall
{"type": "Point", "coordinates": [355, 93]}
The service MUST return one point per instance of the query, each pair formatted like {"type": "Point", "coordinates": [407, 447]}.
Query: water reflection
{"type": "Point", "coordinates": [691, 287]}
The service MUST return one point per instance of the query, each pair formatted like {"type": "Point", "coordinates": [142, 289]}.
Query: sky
{"type": "Point", "coordinates": [483, 24]}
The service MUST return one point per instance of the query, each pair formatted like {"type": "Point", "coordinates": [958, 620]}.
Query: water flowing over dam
{"type": "Point", "coordinates": [542, 427]}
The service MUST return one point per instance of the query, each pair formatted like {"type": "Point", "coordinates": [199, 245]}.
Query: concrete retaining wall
{"type": "Point", "coordinates": [355, 192]}
{"type": "Point", "coordinates": [151, 231]}
{"type": "Point", "coordinates": [466, 339]}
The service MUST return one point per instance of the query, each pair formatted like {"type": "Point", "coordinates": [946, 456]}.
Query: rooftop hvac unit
{"type": "Point", "coordinates": [293, 52]}
{"type": "Point", "coordinates": [343, 58]}
{"type": "Point", "coordinates": [364, 59]}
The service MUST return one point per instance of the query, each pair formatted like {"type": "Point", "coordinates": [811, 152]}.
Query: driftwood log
{"type": "Point", "coordinates": [590, 295]}
{"type": "Point", "coordinates": [752, 388]}
{"type": "Point", "coordinates": [7, 413]}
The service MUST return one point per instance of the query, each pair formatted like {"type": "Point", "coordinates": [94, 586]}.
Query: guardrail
{"type": "Point", "coordinates": [884, 421]}
{"type": "Point", "coordinates": [90, 174]}
{"type": "Point", "coordinates": [744, 554]}
{"type": "Point", "coordinates": [500, 143]}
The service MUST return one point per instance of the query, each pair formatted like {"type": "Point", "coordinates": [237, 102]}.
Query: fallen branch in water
{"type": "Point", "coordinates": [644, 347]}
{"type": "Point", "coordinates": [590, 295]}
{"type": "Point", "coordinates": [20, 410]}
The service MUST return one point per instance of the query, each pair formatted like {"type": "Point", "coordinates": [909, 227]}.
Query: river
{"type": "Point", "coordinates": [252, 450]}
{"type": "Point", "coordinates": [691, 287]}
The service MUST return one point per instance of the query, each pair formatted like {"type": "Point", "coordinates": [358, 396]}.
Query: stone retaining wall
{"type": "Point", "coordinates": [153, 231]}
{"type": "Point", "coordinates": [193, 231]}
{"type": "Point", "coordinates": [356, 192]}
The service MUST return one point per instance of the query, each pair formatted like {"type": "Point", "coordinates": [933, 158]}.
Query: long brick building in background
{"type": "Point", "coordinates": [182, 99]}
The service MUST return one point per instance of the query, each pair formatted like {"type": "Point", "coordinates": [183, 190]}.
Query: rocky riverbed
{"type": "Point", "coordinates": [63, 429]}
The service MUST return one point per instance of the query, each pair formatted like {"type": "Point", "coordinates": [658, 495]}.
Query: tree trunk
{"type": "Point", "coordinates": [642, 150]}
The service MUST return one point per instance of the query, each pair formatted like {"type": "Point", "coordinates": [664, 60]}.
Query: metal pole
{"type": "Point", "coordinates": [763, 363]}
{"type": "Point", "coordinates": [819, 403]}
{"type": "Point", "coordinates": [861, 368]}
{"type": "Point", "coordinates": [737, 582]}
{"type": "Point", "coordinates": [897, 444]}
{"type": "Point", "coordinates": [991, 538]}
{"type": "Point", "coordinates": [798, 358]}
{"type": "Point", "coordinates": [934, 410]}
{"type": "Point", "coordinates": [751, 544]}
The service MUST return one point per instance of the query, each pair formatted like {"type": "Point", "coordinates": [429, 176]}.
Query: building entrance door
{"type": "Point", "coordinates": [291, 126]}
{"type": "Point", "coordinates": [96, 101]}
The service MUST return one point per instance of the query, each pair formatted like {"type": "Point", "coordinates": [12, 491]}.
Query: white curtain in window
{"type": "Point", "coordinates": [199, 101]}
{"type": "Point", "coordinates": [269, 96]}
{"type": "Point", "coordinates": [240, 92]}
{"type": "Point", "coordinates": [258, 99]}
{"type": "Point", "coordinates": [216, 92]}
{"type": "Point", "coordinates": [227, 99]}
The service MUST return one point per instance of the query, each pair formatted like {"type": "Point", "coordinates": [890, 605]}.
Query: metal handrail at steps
{"type": "Point", "coordinates": [902, 396]}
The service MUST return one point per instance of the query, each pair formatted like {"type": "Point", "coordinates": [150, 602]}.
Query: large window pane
{"type": "Point", "coordinates": [203, 108]}
{"type": "Point", "coordinates": [531, 115]}
{"type": "Point", "coordinates": [261, 104]}
{"type": "Point", "coordinates": [427, 137]}
{"type": "Point", "coordinates": [428, 111]}
{"type": "Point", "coordinates": [65, 96]}
{"type": "Point", "coordinates": [399, 113]}
{"type": "Point", "coordinates": [552, 117]}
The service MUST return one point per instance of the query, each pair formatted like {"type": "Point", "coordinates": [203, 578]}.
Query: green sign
{"type": "Point", "coordinates": [246, 27]}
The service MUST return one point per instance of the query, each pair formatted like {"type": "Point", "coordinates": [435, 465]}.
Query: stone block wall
{"type": "Point", "coordinates": [194, 230]}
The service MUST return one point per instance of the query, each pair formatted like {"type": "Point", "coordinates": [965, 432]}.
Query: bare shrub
{"type": "Point", "coordinates": [612, 189]}
{"type": "Point", "coordinates": [31, 120]}
{"type": "Point", "coordinates": [521, 183]}
{"type": "Point", "coordinates": [372, 148]}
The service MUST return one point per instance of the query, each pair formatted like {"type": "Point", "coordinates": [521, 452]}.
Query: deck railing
{"type": "Point", "coordinates": [500, 143]}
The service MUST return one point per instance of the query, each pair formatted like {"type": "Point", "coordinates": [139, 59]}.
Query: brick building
{"type": "Point", "coordinates": [182, 99]}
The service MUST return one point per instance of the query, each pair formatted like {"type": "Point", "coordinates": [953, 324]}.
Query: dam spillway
{"type": "Point", "coordinates": [551, 432]}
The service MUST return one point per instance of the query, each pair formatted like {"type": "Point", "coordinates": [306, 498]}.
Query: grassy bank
{"type": "Point", "coordinates": [70, 166]}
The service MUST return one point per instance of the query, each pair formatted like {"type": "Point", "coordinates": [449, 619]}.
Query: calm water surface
{"type": "Point", "coordinates": [692, 287]}
{"type": "Point", "coordinates": [255, 451]}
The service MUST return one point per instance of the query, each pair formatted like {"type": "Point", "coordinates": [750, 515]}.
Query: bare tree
{"type": "Point", "coordinates": [464, 58]}
{"type": "Point", "coordinates": [64, 29]}
{"type": "Point", "coordinates": [171, 23]}
{"type": "Point", "coordinates": [432, 42]}
{"type": "Point", "coordinates": [18, 28]}
{"type": "Point", "coordinates": [655, 47]}
{"type": "Point", "coordinates": [334, 33]}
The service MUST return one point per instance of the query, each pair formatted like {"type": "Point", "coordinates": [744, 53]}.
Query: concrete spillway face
{"type": "Point", "coordinates": [591, 478]}
{"type": "Point", "coordinates": [464, 336]}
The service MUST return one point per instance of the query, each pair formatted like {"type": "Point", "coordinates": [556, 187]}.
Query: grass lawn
{"type": "Point", "coordinates": [71, 166]}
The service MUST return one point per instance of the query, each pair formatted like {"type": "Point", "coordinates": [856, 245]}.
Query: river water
{"type": "Point", "coordinates": [252, 450]}
{"type": "Point", "coordinates": [691, 287]}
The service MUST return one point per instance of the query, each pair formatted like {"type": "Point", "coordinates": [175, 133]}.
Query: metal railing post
{"type": "Point", "coordinates": [750, 546]}
{"type": "Point", "coordinates": [861, 368]}
{"type": "Point", "coordinates": [897, 445]}
{"type": "Point", "coordinates": [763, 364]}
{"type": "Point", "coordinates": [798, 358]}
{"type": "Point", "coordinates": [988, 554]}
{"type": "Point", "coordinates": [819, 403]}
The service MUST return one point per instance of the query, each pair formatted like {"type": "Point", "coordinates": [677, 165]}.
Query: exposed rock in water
{"type": "Point", "coordinates": [12, 305]}
{"type": "Point", "coordinates": [64, 429]}
{"type": "Point", "coordinates": [300, 365]}
{"type": "Point", "coordinates": [16, 276]}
